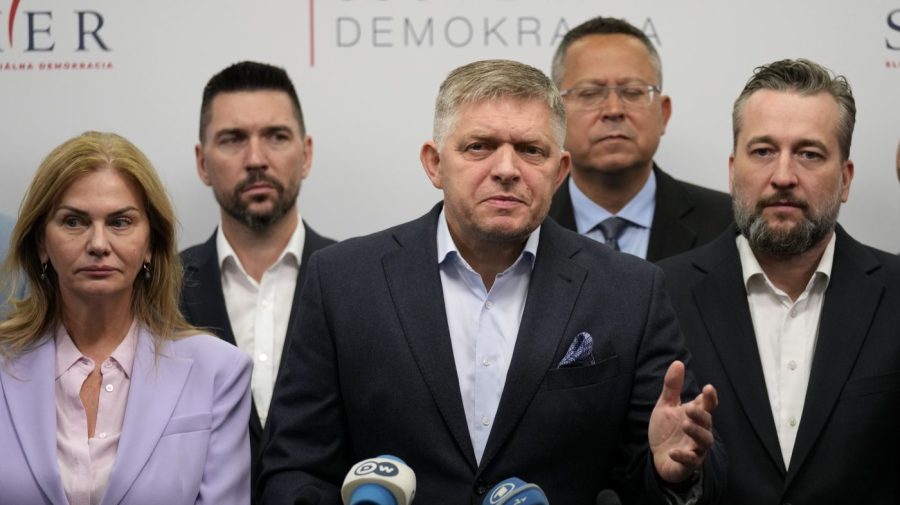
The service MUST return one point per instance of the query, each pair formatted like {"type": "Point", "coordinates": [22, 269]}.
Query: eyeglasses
{"type": "Point", "coordinates": [592, 97]}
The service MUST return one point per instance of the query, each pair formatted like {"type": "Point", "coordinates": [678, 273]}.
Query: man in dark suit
{"type": "Point", "coordinates": [796, 323]}
{"type": "Point", "coordinates": [611, 78]}
{"type": "Point", "coordinates": [483, 341]}
{"type": "Point", "coordinates": [243, 284]}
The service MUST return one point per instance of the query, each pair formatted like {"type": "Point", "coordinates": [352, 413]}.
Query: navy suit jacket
{"type": "Point", "coordinates": [203, 305]}
{"type": "Point", "coordinates": [371, 371]}
{"type": "Point", "coordinates": [848, 440]}
{"type": "Point", "coordinates": [686, 215]}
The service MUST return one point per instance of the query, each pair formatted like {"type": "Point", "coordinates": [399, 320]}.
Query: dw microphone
{"type": "Point", "coordinates": [385, 480]}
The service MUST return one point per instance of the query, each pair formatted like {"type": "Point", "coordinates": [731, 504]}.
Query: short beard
{"type": "Point", "coordinates": [258, 221]}
{"type": "Point", "coordinates": [785, 243]}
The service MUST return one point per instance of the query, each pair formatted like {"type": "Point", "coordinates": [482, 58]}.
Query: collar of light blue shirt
{"type": "Point", "coordinates": [446, 248]}
{"type": "Point", "coordinates": [639, 211]}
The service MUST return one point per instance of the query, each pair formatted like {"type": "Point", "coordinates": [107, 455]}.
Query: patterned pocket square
{"type": "Point", "coordinates": [580, 352]}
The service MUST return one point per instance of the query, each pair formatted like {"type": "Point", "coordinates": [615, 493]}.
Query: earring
{"type": "Point", "coordinates": [147, 275]}
{"type": "Point", "coordinates": [44, 270]}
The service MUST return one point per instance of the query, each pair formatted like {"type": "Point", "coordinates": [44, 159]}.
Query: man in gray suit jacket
{"type": "Point", "coordinates": [611, 77]}
{"type": "Point", "coordinates": [795, 322]}
{"type": "Point", "coordinates": [483, 341]}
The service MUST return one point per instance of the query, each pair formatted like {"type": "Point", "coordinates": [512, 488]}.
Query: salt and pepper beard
{"type": "Point", "coordinates": [258, 221]}
{"type": "Point", "coordinates": [781, 243]}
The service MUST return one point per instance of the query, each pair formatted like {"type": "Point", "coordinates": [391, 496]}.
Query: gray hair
{"type": "Point", "coordinates": [490, 80]}
{"type": "Point", "coordinates": [806, 78]}
{"type": "Point", "coordinates": [602, 26]}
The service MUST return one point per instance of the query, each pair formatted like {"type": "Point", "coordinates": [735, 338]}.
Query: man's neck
{"type": "Point", "coordinates": [489, 259]}
{"type": "Point", "coordinates": [257, 250]}
{"type": "Point", "coordinates": [792, 274]}
{"type": "Point", "coordinates": [611, 190]}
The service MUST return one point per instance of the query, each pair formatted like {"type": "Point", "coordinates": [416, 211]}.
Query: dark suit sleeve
{"type": "Point", "coordinates": [306, 434]}
{"type": "Point", "coordinates": [661, 344]}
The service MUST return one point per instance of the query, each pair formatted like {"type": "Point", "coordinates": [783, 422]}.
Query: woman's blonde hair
{"type": "Point", "coordinates": [154, 301]}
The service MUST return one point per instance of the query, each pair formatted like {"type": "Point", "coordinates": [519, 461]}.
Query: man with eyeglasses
{"type": "Point", "coordinates": [610, 76]}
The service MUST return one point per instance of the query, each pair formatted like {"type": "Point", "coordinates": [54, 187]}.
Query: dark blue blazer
{"type": "Point", "coordinates": [203, 305]}
{"type": "Point", "coordinates": [848, 440]}
{"type": "Point", "coordinates": [371, 371]}
{"type": "Point", "coordinates": [686, 215]}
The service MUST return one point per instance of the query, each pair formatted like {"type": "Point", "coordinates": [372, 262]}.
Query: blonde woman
{"type": "Point", "coordinates": [107, 396]}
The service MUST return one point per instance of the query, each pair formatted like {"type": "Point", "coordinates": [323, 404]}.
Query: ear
{"type": "Point", "coordinates": [565, 164]}
{"type": "Point", "coordinates": [846, 179]}
{"type": "Point", "coordinates": [731, 174]}
{"type": "Point", "coordinates": [307, 157]}
{"type": "Point", "coordinates": [201, 164]}
{"type": "Point", "coordinates": [431, 162]}
{"type": "Point", "coordinates": [666, 111]}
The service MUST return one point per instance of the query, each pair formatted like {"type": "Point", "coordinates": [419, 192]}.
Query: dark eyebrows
{"type": "Point", "coordinates": [800, 144]}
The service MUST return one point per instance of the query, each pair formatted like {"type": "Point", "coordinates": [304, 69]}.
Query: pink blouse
{"type": "Point", "coordinates": [85, 463]}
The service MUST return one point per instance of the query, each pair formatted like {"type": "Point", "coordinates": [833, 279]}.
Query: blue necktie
{"type": "Point", "coordinates": [612, 229]}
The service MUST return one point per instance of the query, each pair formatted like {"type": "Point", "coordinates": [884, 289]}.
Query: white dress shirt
{"type": "Point", "coordinates": [786, 332]}
{"type": "Point", "coordinates": [483, 327]}
{"type": "Point", "coordinates": [635, 238]}
{"type": "Point", "coordinates": [259, 311]}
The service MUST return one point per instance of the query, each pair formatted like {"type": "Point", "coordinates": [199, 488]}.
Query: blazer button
{"type": "Point", "coordinates": [480, 488]}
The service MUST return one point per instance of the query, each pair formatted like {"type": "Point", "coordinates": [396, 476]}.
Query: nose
{"type": "Point", "coordinates": [98, 242]}
{"type": "Point", "coordinates": [505, 170]}
{"type": "Point", "coordinates": [784, 175]}
{"type": "Point", "coordinates": [256, 156]}
{"type": "Point", "coordinates": [612, 108]}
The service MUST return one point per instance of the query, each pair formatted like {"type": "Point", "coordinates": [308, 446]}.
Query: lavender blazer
{"type": "Point", "coordinates": [184, 437]}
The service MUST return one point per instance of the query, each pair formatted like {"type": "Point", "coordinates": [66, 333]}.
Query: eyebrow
{"type": "Point", "coordinates": [80, 212]}
{"type": "Point", "coordinates": [806, 142]}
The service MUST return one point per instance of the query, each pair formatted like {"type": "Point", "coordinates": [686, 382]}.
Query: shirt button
{"type": "Point", "coordinates": [489, 304]}
{"type": "Point", "coordinates": [264, 357]}
{"type": "Point", "coordinates": [486, 362]}
{"type": "Point", "coordinates": [792, 365]}
{"type": "Point", "coordinates": [109, 388]}
{"type": "Point", "coordinates": [102, 435]}
{"type": "Point", "coordinates": [485, 421]}
{"type": "Point", "coordinates": [792, 421]}
{"type": "Point", "coordinates": [793, 312]}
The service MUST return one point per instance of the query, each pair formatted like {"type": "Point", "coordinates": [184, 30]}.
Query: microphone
{"type": "Point", "coordinates": [385, 480]}
{"type": "Point", "coordinates": [515, 491]}
{"type": "Point", "coordinates": [308, 496]}
{"type": "Point", "coordinates": [608, 497]}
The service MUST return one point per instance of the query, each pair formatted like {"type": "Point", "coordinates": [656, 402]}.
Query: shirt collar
{"type": "Point", "coordinates": [446, 248]}
{"type": "Point", "coordinates": [638, 211]}
{"type": "Point", "coordinates": [750, 265]}
{"type": "Point", "coordinates": [67, 354]}
{"type": "Point", "coordinates": [293, 250]}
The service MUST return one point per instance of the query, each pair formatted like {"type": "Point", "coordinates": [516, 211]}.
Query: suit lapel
{"type": "Point", "coordinates": [722, 303]}
{"type": "Point", "coordinates": [30, 389]}
{"type": "Point", "coordinates": [415, 285]}
{"type": "Point", "coordinates": [850, 304]}
{"type": "Point", "coordinates": [555, 283]}
{"type": "Point", "coordinates": [156, 385]}
{"type": "Point", "coordinates": [204, 299]}
{"type": "Point", "coordinates": [668, 234]}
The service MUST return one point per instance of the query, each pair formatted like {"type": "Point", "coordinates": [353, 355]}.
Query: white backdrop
{"type": "Point", "coordinates": [367, 72]}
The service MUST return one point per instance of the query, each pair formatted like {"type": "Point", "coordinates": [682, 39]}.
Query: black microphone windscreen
{"type": "Point", "coordinates": [608, 497]}
{"type": "Point", "coordinates": [308, 496]}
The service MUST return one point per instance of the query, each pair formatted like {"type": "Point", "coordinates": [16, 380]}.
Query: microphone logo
{"type": "Point", "coordinates": [382, 468]}
{"type": "Point", "coordinates": [501, 491]}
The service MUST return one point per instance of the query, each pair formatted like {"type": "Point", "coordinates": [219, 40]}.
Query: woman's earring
{"type": "Point", "coordinates": [147, 275]}
{"type": "Point", "coordinates": [44, 270]}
